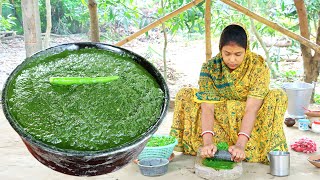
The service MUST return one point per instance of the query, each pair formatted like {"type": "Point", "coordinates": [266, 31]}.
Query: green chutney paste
{"type": "Point", "coordinates": [88, 117]}
{"type": "Point", "coordinates": [219, 164]}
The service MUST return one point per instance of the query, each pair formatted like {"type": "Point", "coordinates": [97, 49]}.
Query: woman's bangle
{"type": "Point", "coordinates": [245, 134]}
{"type": "Point", "coordinates": [205, 132]}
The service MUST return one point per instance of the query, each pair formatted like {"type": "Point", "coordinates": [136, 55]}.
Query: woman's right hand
{"type": "Point", "coordinates": [208, 150]}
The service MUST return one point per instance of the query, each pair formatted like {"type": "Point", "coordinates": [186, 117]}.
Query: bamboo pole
{"type": "Point", "coordinates": [159, 21]}
{"type": "Point", "coordinates": [273, 25]}
{"type": "Point", "coordinates": [208, 30]}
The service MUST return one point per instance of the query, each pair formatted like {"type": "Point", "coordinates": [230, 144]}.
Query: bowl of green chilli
{"type": "Point", "coordinates": [85, 109]}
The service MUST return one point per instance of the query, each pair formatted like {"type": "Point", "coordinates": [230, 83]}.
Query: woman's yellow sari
{"type": "Point", "coordinates": [229, 91]}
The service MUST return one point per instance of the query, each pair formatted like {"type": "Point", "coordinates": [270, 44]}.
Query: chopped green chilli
{"type": "Point", "coordinates": [157, 141]}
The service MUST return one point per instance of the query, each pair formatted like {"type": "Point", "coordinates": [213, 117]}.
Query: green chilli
{"type": "Point", "coordinates": [81, 80]}
{"type": "Point", "coordinates": [155, 141]}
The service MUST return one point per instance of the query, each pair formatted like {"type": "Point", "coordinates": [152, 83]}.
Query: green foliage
{"type": "Point", "coordinates": [191, 20]}
{"type": "Point", "coordinates": [290, 11]}
{"type": "Point", "coordinates": [290, 75]}
{"type": "Point", "coordinates": [313, 7]}
{"type": "Point", "coordinates": [68, 16]}
{"type": "Point", "coordinates": [287, 15]}
{"type": "Point", "coordinates": [224, 15]}
{"type": "Point", "coordinates": [119, 18]}
{"type": "Point", "coordinates": [275, 56]}
{"type": "Point", "coordinates": [123, 14]}
{"type": "Point", "coordinates": [317, 98]}
{"type": "Point", "coordinates": [119, 15]}
{"type": "Point", "coordinates": [6, 24]}
{"type": "Point", "coordinates": [15, 14]}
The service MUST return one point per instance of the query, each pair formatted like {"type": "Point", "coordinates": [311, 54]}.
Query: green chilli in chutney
{"type": "Point", "coordinates": [89, 116]}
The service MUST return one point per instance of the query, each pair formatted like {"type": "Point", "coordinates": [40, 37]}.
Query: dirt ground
{"type": "Point", "coordinates": [18, 163]}
{"type": "Point", "coordinates": [184, 63]}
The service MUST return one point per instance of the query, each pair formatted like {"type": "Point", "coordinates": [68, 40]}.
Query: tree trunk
{"type": "Point", "coordinates": [31, 26]}
{"type": "Point", "coordinates": [311, 70]}
{"type": "Point", "coordinates": [316, 56]}
{"type": "Point", "coordinates": [49, 25]}
{"type": "Point", "coordinates": [164, 46]}
{"type": "Point", "coordinates": [94, 23]}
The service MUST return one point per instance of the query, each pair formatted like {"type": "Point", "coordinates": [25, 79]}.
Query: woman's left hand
{"type": "Point", "coordinates": [237, 153]}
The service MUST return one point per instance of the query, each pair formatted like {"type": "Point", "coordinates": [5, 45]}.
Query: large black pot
{"type": "Point", "coordinates": [82, 163]}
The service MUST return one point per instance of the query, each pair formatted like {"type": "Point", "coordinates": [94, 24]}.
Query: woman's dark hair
{"type": "Point", "coordinates": [233, 34]}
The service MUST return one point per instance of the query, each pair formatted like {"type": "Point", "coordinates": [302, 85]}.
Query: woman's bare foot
{"type": "Point", "coordinates": [136, 161]}
{"type": "Point", "coordinates": [171, 157]}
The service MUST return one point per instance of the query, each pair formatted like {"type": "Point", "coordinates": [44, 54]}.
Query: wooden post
{"type": "Point", "coordinates": [273, 25]}
{"type": "Point", "coordinates": [94, 21]}
{"type": "Point", "coordinates": [208, 30]}
{"type": "Point", "coordinates": [31, 26]}
{"type": "Point", "coordinates": [159, 21]}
